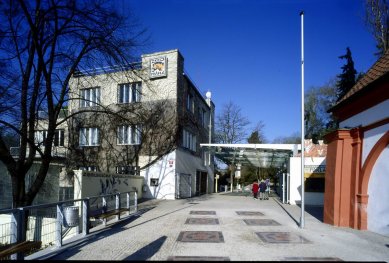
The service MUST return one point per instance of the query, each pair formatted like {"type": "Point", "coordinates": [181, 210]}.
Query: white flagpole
{"type": "Point", "coordinates": [302, 223]}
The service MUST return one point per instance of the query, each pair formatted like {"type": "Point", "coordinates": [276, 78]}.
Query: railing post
{"type": "Point", "coordinates": [58, 226]}
{"type": "Point", "coordinates": [128, 203]}
{"type": "Point", "coordinates": [15, 224]}
{"type": "Point", "coordinates": [136, 201]}
{"type": "Point", "coordinates": [17, 227]}
{"type": "Point", "coordinates": [117, 205]}
{"type": "Point", "coordinates": [104, 210]}
{"type": "Point", "coordinates": [85, 217]}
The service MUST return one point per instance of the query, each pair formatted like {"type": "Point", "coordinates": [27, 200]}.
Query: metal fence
{"type": "Point", "coordinates": [52, 223]}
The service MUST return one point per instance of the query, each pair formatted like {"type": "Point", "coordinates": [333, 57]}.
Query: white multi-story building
{"type": "Point", "coordinates": [147, 120]}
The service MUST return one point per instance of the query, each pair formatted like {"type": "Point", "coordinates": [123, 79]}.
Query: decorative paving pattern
{"type": "Point", "coordinates": [281, 237]}
{"type": "Point", "coordinates": [201, 236]}
{"type": "Point", "coordinates": [202, 221]}
{"type": "Point", "coordinates": [249, 213]}
{"type": "Point", "coordinates": [261, 222]}
{"type": "Point", "coordinates": [311, 259]}
{"type": "Point", "coordinates": [196, 258]}
{"type": "Point", "coordinates": [203, 212]}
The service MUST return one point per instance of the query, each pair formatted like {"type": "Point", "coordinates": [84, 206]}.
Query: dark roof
{"type": "Point", "coordinates": [379, 69]}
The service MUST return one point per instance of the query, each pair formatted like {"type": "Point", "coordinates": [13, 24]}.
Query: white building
{"type": "Point", "coordinates": [157, 119]}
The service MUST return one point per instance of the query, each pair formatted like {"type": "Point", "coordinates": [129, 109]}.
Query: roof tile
{"type": "Point", "coordinates": [380, 68]}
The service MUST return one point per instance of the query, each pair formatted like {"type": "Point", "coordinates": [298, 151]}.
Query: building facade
{"type": "Point", "coordinates": [314, 175]}
{"type": "Point", "coordinates": [357, 172]}
{"type": "Point", "coordinates": [146, 120]}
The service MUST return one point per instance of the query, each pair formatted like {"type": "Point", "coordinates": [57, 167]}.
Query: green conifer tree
{"type": "Point", "coordinates": [347, 79]}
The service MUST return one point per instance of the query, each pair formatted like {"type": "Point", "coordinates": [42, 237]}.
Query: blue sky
{"type": "Point", "coordinates": [249, 51]}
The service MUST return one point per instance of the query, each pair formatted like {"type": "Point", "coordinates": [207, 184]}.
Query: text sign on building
{"type": "Point", "coordinates": [158, 67]}
{"type": "Point", "coordinates": [314, 171]}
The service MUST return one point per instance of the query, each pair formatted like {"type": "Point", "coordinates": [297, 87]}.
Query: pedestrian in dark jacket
{"type": "Point", "coordinates": [262, 189]}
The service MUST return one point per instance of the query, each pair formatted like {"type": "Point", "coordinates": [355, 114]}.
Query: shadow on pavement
{"type": "Point", "coordinates": [97, 235]}
{"type": "Point", "coordinates": [147, 251]}
{"type": "Point", "coordinates": [314, 210]}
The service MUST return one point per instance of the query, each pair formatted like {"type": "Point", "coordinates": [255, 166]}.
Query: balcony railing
{"type": "Point", "coordinates": [57, 151]}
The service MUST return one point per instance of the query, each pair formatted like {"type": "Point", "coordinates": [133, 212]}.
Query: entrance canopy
{"type": "Point", "coordinates": [258, 155]}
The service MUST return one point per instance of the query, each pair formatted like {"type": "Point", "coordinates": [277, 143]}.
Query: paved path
{"type": "Point", "coordinates": [164, 232]}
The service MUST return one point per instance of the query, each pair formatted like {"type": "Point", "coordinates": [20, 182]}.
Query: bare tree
{"type": "Point", "coordinates": [318, 100]}
{"type": "Point", "coordinates": [294, 138]}
{"type": "Point", "coordinates": [377, 19]}
{"type": "Point", "coordinates": [231, 125]}
{"type": "Point", "coordinates": [156, 125]}
{"type": "Point", "coordinates": [42, 44]}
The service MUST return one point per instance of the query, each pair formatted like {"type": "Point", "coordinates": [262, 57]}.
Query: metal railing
{"type": "Point", "coordinates": [54, 222]}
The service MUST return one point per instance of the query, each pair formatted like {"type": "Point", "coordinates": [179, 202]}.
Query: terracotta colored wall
{"type": "Point", "coordinates": [341, 179]}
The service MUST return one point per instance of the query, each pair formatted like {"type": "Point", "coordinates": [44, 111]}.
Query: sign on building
{"type": "Point", "coordinates": [158, 67]}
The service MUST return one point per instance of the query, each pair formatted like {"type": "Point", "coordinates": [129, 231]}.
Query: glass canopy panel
{"type": "Point", "coordinates": [259, 155]}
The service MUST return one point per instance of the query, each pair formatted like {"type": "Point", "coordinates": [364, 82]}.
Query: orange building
{"type": "Point", "coordinates": [357, 172]}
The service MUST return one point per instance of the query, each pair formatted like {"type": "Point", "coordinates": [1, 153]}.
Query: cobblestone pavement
{"type": "Point", "coordinates": [224, 227]}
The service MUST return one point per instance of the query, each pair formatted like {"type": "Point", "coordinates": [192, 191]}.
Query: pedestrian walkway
{"type": "Point", "coordinates": [224, 227]}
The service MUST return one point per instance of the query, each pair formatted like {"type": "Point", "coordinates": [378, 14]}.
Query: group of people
{"type": "Point", "coordinates": [263, 188]}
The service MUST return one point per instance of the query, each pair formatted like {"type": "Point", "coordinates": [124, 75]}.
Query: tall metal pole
{"type": "Point", "coordinates": [302, 223]}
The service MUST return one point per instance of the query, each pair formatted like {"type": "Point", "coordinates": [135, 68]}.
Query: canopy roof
{"type": "Point", "coordinates": [259, 155]}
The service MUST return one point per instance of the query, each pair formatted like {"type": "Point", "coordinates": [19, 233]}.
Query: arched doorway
{"type": "Point", "coordinates": [378, 205]}
{"type": "Point", "coordinates": [375, 178]}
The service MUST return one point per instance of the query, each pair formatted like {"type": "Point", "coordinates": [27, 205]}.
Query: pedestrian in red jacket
{"type": "Point", "coordinates": [255, 189]}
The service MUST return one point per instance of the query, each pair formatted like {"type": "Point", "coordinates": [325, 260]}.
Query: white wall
{"type": "Point", "coordinates": [370, 138]}
{"type": "Point", "coordinates": [371, 115]}
{"type": "Point", "coordinates": [310, 198]}
{"type": "Point", "coordinates": [295, 180]}
{"type": "Point", "coordinates": [378, 203]}
{"type": "Point", "coordinates": [164, 170]}
{"type": "Point", "coordinates": [95, 183]}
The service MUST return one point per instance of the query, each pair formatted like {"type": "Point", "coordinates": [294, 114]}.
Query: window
{"type": "Point", "coordinates": [89, 136]}
{"type": "Point", "coordinates": [59, 138]}
{"type": "Point", "coordinates": [65, 193]}
{"type": "Point", "coordinates": [189, 140]}
{"type": "Point", "coordinates": [203, 117]}
{"type": "Point", "coordinates": [154, 181]}
{"type": "Point", "coordinates": [190, 103]}
{"type": "Point", "coordinates": [89, 97]}
{"type": "Point", "coordinates": [128, 134]}
{"type": "Point", "coordinates": [89, 168]}
{"type": "Point", "coordinates": [40, 137]}
{"type": "Point", "coordinates": [129, 92]}
{"type": "Point", "coordinates": [126, 169]}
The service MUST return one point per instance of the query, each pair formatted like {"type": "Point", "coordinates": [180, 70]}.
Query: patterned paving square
{"type": "Point", "coordinates": [311, 259]}
{"type": "Point", "coordinates": [261, 222]}
{"type": "Point", "coordinates": [197, 258]}
{"type": "Point", "coordinates": [202, 212]}
{"type": "Point", "coordinates": [249, 213]}
{"type": "Point", "coordinates": [201, 236]}
{"type": "Point", "coordinates": [281, 237]}
{"type": "Point", "coordinates": [202, 221]}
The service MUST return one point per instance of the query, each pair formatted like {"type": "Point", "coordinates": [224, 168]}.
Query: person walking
{"type": "Point", "coordinates": [254, 189]}
{"type": "Point", "coordinates": [262, 189]}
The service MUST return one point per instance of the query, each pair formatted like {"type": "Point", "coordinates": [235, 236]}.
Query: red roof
{"type": "Point", "coordinates": [380, 68]}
